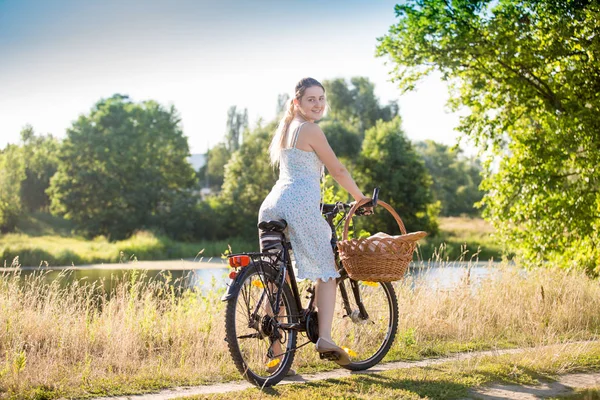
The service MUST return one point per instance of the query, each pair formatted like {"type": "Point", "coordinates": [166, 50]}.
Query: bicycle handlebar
{"type": "Point", "coordinates": [335, 208]}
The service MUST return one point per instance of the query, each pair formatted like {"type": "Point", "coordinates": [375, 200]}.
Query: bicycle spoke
{"type": "Point", "coordinates": [367, 339]}
{"type": "Point", "coordinates": [253, 328]}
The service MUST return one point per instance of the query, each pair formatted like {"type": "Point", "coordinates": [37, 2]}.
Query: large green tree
{"type": "Point", "coordinates": [456, 179]}
{"type": "Point", "coordinates": [390, 162]}
{"type": "Point", "coordinates": [528, 73]}
{"type": "Point", "coordinates": [122, 167]}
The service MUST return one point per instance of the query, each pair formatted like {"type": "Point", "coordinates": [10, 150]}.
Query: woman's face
{"type": "Point", "coordinates": [312, 104]}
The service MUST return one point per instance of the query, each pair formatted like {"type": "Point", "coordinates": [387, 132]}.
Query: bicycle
{"type": "Point", "coordinates": [264, 307]}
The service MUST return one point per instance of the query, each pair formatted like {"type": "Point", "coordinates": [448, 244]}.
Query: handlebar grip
{"type": "Point", "coordinates": [375, 196]}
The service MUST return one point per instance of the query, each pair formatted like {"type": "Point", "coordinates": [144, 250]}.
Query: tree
{"type": "Point", "coordinates": [12, 174]}
{"type": "Point", "coordinates": [213, 172]}
{"type": "Point", "coordinates": [389, 161]}
{"type": "Point", "coordinates": [455, 179]}
{"type": "Point", "coordinates": [25, 173]}
{"type": "Point", "coordinates": [355, 104]}
{"type": "Point", "coordinates": [237, 123]}
{"type": "Point", "coordinates": [528, 73]}
{"type": "Point", "coordinates": [121, 167]}
{"type": "Point", "coordinates": [344, 140]}
{"type": "Point", "coordinates": [249, 177]}
{"type": "Point", "coordinates": [40, 155]}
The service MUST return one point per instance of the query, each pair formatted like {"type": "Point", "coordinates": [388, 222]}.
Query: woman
{"type": "Point", "coordinates": [301, 150]}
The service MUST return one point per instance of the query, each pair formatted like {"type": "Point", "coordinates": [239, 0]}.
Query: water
{"type": "Point", "coordinates": [203, 279]}
{"type": "Point", "coordinates": [435, 275]}
{"type": "Point", "coordinates": [446, 276]}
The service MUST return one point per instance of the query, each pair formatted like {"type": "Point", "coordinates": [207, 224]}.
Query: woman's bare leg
{"type": "Point", "coordinates": [325, 300]}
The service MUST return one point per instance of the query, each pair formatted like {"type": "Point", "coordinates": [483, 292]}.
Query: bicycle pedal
{"type": "Point", "coordinates": [330, 355]}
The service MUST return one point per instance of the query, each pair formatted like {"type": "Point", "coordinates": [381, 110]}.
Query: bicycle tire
{"type": "Point", "coordinates": [250, 353]}
{"type": "Point", "coordinates": [368, 341]}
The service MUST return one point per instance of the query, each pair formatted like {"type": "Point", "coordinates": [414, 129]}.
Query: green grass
{"type": "Point", "coordinates": [451, 380]}
{"type": "Point", "coordinates": [44, 239]}
{"type": "Point", "coordinates": [585, 394]}
{"type": "Point", "coordinates": [461, 238]}
{"type": "Point", "coordinates": [56, 250]}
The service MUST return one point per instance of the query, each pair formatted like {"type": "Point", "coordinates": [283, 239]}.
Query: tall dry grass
{"type": "Point", "coordinates": [75, 339]}
{"type": "Point", "coordinates": [509, 305]}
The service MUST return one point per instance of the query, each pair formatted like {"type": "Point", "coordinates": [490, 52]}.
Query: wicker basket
{"type": "Point", "coordinates": [380, 259]}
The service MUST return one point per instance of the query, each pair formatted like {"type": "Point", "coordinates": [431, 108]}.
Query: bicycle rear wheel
{"type": "Point", "coordinates": [251, 329]}
{"type": "Point", "coordinates": [368, 334]}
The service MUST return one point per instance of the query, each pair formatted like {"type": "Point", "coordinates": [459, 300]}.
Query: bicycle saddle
{"type": "Point", "coordinates": [276, 225]}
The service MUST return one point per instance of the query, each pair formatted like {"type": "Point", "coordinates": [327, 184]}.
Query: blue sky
{"type": "Point", "coordinates": [58, 57]}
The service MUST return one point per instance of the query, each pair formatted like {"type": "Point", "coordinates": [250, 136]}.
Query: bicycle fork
{"type": "Point", "coordinates": [362, 314]}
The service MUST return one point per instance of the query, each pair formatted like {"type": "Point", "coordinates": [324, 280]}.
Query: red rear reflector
{"type": "Point", "coordinates": [232, 275]}
{"type": "Point", "coordinates": [239, 261]}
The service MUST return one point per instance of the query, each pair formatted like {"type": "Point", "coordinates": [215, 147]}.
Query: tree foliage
{"type": "Point", "coordinates": [529, 74]}
{"type": "Point", "coordinates": [354, 103]}
{"type": "Point", "coordinates": [12, 174]}
{"type": "Point", "coordinates": [40, 158]}
{"type": "Point", "coordinates": [122, 167]}
{"type": "Point", "coordinates": [343, 139]}
{"type": "Point", "coordinates": [237, 123]}
{"type": "Point", "coordinates": [456, 179]}
{"type": "Point", "coordinates": [249, 177]}
{"type": "Point", "coordinates": [25, 172]}
{"type": "Point", "coordinates": [212, 173]}
{"type": "Point", "coordinates": [389, 161]}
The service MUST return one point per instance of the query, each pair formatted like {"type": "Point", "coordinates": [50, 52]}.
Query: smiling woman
{"type": "Point", "coordinates": [302, 151]}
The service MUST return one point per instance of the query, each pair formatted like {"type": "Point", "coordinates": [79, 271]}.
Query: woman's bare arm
{"type": "Point", "coordinates": [313, 136]}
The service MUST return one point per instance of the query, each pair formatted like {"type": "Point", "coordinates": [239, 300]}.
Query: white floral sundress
{"type": "Point", "coordinates": [295, 198]}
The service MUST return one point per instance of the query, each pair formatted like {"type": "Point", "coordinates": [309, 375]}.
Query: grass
{"type": "Point", "coordinates": [73, 339]}
{"type": "Point", "coordinates": [586, 394]}
{"type": "Point", "coordinates": [451, 380]}
{"type": "Point", "coordinates": [460, 238]}
{"type": "Point", "coordinates": [42, 239]}
{"type": "Point", "coordinates": [59, 251]}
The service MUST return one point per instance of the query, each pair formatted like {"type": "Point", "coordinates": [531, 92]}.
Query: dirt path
{"type": "Point", "coordinates": [564, 385]}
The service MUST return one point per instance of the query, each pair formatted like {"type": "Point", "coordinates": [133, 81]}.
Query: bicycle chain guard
{"type": "Point", "coordinates": [312, 326]}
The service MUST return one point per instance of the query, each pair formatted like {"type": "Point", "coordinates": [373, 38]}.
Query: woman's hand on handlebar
{"type": "Point", "coordinates": [366, 209]}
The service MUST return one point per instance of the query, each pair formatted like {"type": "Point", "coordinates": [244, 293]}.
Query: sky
{"type": "Point", "coordinates": [59, 57]}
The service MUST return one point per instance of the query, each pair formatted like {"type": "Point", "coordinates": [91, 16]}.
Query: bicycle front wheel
{"type": "Point", "coordinates": [261, 350]}
{"type": "Point", "coordinates": [365, 322]}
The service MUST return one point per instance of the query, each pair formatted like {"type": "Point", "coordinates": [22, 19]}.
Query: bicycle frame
{"type": "Point", "coordinates": [265, 313]}
{"type": "Point", "coordinates": [287, 273]}
{"type": "Point", "coordinates": [281, 261]}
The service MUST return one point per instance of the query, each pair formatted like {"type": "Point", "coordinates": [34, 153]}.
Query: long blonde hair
{"type": "Point", "coordinates": [280, 138]}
